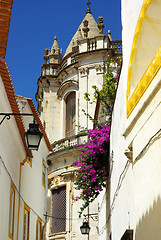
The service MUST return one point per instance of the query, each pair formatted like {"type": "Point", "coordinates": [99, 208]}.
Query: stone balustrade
{"type": "Point", "coordinates": [70, 142]}
{"type": "Point", "coordinates": [116, 46]}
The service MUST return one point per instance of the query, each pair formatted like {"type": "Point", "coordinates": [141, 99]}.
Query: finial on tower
{"type": "Point", "coordinates": [88, 8]}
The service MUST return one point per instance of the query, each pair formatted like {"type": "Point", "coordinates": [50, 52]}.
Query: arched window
{"type": "Point", "coordinates": [70, 114]}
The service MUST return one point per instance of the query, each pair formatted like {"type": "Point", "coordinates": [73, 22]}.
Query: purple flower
{"type": "Point", "coordinates": [92, 171]}
{"type": "Point", "coordinates": [93, 179]}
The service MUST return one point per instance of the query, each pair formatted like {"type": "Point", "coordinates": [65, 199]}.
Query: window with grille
{"type": "Point", "coordinates": [58, 210]}
{"type": "Point", "coordinates": [70, 114]}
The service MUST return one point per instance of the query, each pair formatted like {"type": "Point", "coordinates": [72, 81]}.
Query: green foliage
{"type": "Point", "coordinates": [108, 92]}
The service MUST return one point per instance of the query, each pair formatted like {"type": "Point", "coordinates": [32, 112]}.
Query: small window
{"type": "Point", "coordinates": [11, 211]}
{"type": "Point", "coordinates": [43, 173]}
{"type": "Point", "coordinates": [38, 229]}
{"type": "Point", "coordinates": [26, 222]}
{"type": "Point", "coordinates": [70, 114]}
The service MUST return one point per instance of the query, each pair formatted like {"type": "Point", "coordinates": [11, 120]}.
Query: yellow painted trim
{"type": "Point", "coordinates": [18, 218]}
{"type": "Point", "coordinates": [150, 71]}
{"type": "Point", "coordinates": [39, 221]}
{"type": "Point", "coordinates": [21, 164]}
{"type": "Point", "coordinates": [12, 187]}
{"type": "Point", "coordinates": [28, 161]}
{"type": "Point", "coordinates": [51, 204]}
{"type": "Point", "coordinates": [43, 170]}
{"type": "Point", "coordinates": [28, 210]}
{"type": "Point", "coordinates": [146, 79]}
{"type": "Point", "coordinates": [56, 234]}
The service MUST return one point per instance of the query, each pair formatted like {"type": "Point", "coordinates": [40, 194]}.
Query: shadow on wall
{"type": "Point", "coordinates": [149, 227]}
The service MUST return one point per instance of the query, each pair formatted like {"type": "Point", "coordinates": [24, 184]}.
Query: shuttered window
{"type": "Point", "coordinates": [70, 114]}
{"type": "Point", "coordinates": [58, 210]}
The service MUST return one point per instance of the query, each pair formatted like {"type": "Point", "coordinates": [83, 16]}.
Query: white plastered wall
{"type": "Point", "coordinates": [11, 154]}
{"type": "Point", "coordinates": [32, 191]}
{"type": "Point", "coordinates": [136, 197]}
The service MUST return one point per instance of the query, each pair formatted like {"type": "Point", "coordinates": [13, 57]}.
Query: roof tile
{"type": "Point", "coordinates": [13, 102]}
{"type": "Point", "coordinates": [5, 15]}
{"type": "Point", "coordinates": [40, 123]}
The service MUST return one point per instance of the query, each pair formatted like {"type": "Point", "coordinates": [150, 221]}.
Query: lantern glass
{"type": "Point", "coordinates": [33, 136]}
{"type": "Point", "coordinates": [85, 229]}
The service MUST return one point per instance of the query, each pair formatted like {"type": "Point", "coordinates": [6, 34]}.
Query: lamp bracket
{"type": "Point", "coordinates": [94, 216]}
{"type": "Point", "coordinates": [8, 115]}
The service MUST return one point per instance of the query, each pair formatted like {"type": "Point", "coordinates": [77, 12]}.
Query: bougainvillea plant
{"type": "Point", "coordinates": [92, 164]}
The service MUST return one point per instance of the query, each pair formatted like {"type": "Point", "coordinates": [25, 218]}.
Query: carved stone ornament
{"type": "Point", "coordinates": [100, 68]}
{"type": "Point", "coordinates": [85, 28]}
{"type": "Point", "coordinates": [56, 181]}
{"type": "Point", "coordinates": [100, 19]}
{"type": "Point", "coordinates": [84, 72]}
{"type": "Point", "coordinates": [85, 23]}
{"type": "Point", "coordinates": [100, 25]}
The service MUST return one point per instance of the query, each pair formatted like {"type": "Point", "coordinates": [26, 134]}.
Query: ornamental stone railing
{"type": "Point", "coordinates": [69, 59]}
{"type": "Point", "coordinates": [92, 45]}
{"type": "Point", "coordinates": [48, 70]}
{"type": "Point", "coordinates": [69, 142]}
{"type": "Point", "coordinates": [117, 46]}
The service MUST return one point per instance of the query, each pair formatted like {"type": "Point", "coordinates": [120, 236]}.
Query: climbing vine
{"type": "Point", "coordinates": [108, 92]}
{"type": "Point", "coordinates": [92, 163]}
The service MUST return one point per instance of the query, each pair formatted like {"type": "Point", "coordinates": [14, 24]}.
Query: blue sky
{"type": "Point", "coordinates": [34, 23]}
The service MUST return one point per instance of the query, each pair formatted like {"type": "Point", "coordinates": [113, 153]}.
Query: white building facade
{"type": "Point", "coordinates": [134, 210]}
{"type": "Point", "coordinates": [23, 173]}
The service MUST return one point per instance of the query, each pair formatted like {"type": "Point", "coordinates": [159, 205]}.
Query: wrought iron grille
{"type": "Point", "coordinates": [59, 210]}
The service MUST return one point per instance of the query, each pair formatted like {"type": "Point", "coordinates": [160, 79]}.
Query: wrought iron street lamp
{"type": "Point", "coordinates": [33, 135]}
{"type": "Point", "coordinates": [85, 229]}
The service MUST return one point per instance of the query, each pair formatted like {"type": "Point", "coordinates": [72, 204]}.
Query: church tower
{"type": "Point", "coordinates": [60, 96]}
{"type": "Point", "coordinates": [83, 65]}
